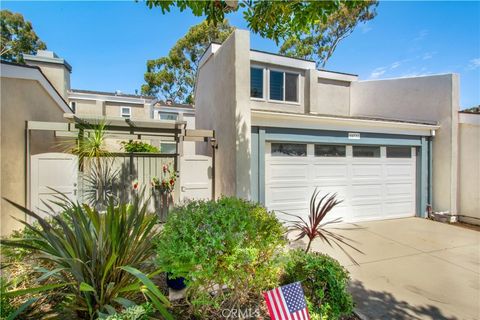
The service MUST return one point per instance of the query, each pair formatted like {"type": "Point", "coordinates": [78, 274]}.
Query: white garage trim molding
{"type": "Point", "coordinates": [380, 185]}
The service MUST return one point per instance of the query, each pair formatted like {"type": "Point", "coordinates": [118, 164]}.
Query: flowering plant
{"type": "Point", "coordinates": [166, 182]}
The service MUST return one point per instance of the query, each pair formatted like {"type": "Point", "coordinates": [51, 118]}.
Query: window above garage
{"type": "Point", "coordinates": [256, 82]}
{"type": "Point", "coordinates": [280, 85]}
{"type": "Point", "coordinates": [283, 86]}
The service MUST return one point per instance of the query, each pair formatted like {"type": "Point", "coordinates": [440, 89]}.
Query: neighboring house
{"type": "Point", "coordinates": [28, 94]}
{"type": "Point", "coordinates": [113, 104]}
{"type": "Point", "coordinates": [168, 110]}
{"type": "Point", "coordinates": [469, 165]}
{"type": "Point", "coordinates": [387, 147]}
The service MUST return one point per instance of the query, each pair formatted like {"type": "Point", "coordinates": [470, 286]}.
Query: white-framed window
{"type": "Point", "coordinates": [283, 86]}
{"type": "Point", "coordinates": [125, 112]}
{"type": "Point", "coordinates": [167, 116]}
{"type": "Point", "coordinates": [73, 106]}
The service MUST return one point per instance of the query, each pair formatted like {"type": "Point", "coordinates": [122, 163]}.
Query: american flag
{"type": "Point", "coordinates": [287, 303]}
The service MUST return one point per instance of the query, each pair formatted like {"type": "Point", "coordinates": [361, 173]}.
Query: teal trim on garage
{"type": "Point", "coordinates": [260, 135]}
{"type": "Point", "coordinates": [261, 165]}
{"type": "Point", "coordinates": [422, 176]}
{"type": "Point", "coordinates": [430, 171]}
{"type": "Point", "coordinates": [339, 137]}
{"type": "Point", "coordinates": [254, 166]}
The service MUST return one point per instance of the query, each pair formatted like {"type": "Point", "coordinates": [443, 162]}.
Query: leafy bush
{"type": "Point", "coordinates": [134, 312]}
{"type": "Point", "coordinates": [88, 250]}
{"type": "Point", "coordinates": [324, 283]}
{"type": "Point", "coordinates": [21, 271]}
{"type": "Point", "coordinates": [138, 146]}
{"type": "Point", "coordinates": [6, 307]}
{"type": "Point", "coordinates": [228, 243]}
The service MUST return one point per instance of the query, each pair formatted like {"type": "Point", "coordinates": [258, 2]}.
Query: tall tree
{"type": "Point", "coordinates": [17, 37]}
{"type": "Point", "coordinates": [271, 19]}
{"type": "Point", "coordinates": [173, 77]}
{"type": "Point", "coordinates": [321, 41]}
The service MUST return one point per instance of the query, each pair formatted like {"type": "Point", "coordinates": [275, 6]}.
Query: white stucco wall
{"type": "Point", "coordinates": [469, 168]}
{"type": "Point", "coordinates": [56, 73]}
{"type": "Point", "coordinates": [328, 96]}
{"type": "Point", "coordinates": [429, 98]}
{"type": "Point", "coordinates": [222, 103]}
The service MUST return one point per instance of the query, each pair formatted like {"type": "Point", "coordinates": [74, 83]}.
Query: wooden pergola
{"type": "Point", "coordinates": [77, 126]}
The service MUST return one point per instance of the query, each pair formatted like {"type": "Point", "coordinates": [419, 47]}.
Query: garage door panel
{"type": "Point", "coordinates": [287, 196]}
{"type": "Point", "coordinates": [287, 172]}
{"type": "Point", "coordinates": [398, 189]}
{"type": "Point", "coordinates": [365, 212]}
{"type": "Point", "coordinates": [398, 171]}
{"type": "Point", "coordinates": [394, 209]}
{"type": "Point", "coordinates": [330, 171]}
{"type": "Point", "coordinates": [372, 188]}
{"type": "Point", "coordinates": [366, 170]}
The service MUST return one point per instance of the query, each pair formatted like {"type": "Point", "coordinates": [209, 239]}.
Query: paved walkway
{"type": "Point", "coordinates": [412, 269]}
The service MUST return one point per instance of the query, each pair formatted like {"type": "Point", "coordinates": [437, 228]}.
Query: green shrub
{"type": "Point", "coordinates": [324, 283]}
{"type": "Point", "coordinates": [6, 307]}
{"type": "Point", "coordinates": [87, 250]}
{"type": "Point", "coordinates": [140, 312]}
{"type": "Point", "coordinates": [138, 146]}
{"type": "Point", "coordinates": [228, 243]}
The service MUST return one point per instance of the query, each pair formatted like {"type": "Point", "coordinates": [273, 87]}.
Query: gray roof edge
{"type": "Point", "coordinates": [428, 123]}
{"type": "Point", "coordinates": [48, 60]}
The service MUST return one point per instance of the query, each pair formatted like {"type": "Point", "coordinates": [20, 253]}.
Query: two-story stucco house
{"type": "Point", "coordinates": [389, 148]}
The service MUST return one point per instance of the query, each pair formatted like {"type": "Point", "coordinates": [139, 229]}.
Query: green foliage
{"type": "Point", "coordinates": [17, 37]}
{"type": "Point", "coordinates": [324, 283]}
{"type": "Point", "coordinates": [138, 146]}
{"type": "Point", "coordinates": [6, 307]}
{"type": "Point", "coordinates": [270, 19]}
{"type": "Point", "coordinates": [173, 77]}
{"type": "Point", "coordinates": [26, 277]}
{"type": "Point", "coordinates": [228, 243]}
{"type": "Point", "coordinates": [88, 250]}
{"type": "Point", "coordinates": [319, 42]}
{"type": "Point", "coordinates": [91, 142]}
{"type": "Point", "coordinates": [135, 312]}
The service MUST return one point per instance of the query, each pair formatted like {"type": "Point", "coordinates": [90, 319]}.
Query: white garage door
{"type": "Point", "coordinates": [375, 182]}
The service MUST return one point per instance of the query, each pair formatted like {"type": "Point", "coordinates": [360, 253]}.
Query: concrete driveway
{"type": "Point", "coordinates": [412, 269]}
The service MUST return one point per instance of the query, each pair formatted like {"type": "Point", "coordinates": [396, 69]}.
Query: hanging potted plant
{"type": "Point", "coordinates": [164, 187]}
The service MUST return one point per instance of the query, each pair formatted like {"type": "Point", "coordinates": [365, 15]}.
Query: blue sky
{"type": "Point", "coordinates": [108, 43]}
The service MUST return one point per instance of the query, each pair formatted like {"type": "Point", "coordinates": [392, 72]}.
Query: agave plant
{"type": "Point", "coordinates": [99, 185]}
{"type": "Point", "coordinates": [93, 254]}
{"type": "Point", "coordinates": [315, 226]}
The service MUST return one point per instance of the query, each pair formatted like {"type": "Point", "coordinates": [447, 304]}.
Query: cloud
{"type": "Point", "coordinates": [377, 72]}
{"type": "Point", "coordinates": [428, 55]}
{"type": "Point", "coordinates": [380, 71]}
{"type": "Point", "coordinates": [474, 64]}
{"type": "Point", "coordinates": [365, 28]}
{"type": "Point", "coordinates": [395, 65]}
{"type": "Point", "coordinates": [422, 34]}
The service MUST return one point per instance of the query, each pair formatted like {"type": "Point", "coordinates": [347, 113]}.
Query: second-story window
{"type": "Point", "coordinates": [125, 112]}
{"type": "Point", "coordinates": [168, 116]}
{"type": "Point", "coordinates": [256, 82]}
{"type": "Point", "coordinates": [73, 106]}
{"type": "Point", "coordinates": [283, 86]}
